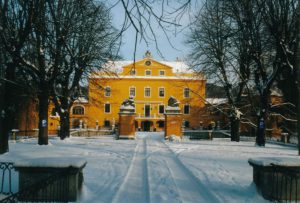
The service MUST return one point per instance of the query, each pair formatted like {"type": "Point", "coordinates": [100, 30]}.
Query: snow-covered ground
{"type": "Point", "coordinates": [150, 169]}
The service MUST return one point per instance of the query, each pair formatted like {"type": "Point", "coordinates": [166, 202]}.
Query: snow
{"type": "Point", "coordinates": [150, 169]}
{"type": "Point", "coordinates": [278, 161]}
{"type": "Point", "coordinates": [52, 162]}
{"type": "Point", "coordinates": [177, 66]}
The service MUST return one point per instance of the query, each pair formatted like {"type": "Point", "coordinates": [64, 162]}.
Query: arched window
{"type": "Point", "coordinates": [78, 110]}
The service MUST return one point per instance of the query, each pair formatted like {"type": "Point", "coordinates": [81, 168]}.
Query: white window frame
{"type": "Point", "coordinates": [159, 108]}
{"type": "Point", "coordinates": [159, 92]}
{"type": "Point", "coordinates": [184, 109]}
{"type": "Point", "coordinates": [109, 108]}
{"type": "Point", "coordinates": [106, 91]}
{"type": "Point", "coordinates": [145, 92]}
{"type": "Point", "coordinates": [161, 71]}
{"type": "Point", "coordinates": [184, 92]}
{"type": "Point", "coordinates": [149, 71]}
{"type": "Point", "coordinates": [134, 91]}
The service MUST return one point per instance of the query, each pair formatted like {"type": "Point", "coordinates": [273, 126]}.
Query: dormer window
{"type": "Point", "coordinates": [161, 73]}
{"type": "Point", "coordinates": [132, 72]}
{"type": "Point", "coordinates": [148, 72]}
{"type": "Point", "coordinates": [107, 91]}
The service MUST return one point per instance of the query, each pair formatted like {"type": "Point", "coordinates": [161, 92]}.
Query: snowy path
{"type": "Point", "coordinates": [152, 170]}
{"type": "Point", "coordinates": [144, 174]}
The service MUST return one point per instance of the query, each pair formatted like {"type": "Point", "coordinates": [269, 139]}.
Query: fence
{"type": "Point", "coordinates": [90, 132]}
{"type": "Point", "coordinates": [53, 188]}
{"type": "Point", "coordinates": [286, 184]}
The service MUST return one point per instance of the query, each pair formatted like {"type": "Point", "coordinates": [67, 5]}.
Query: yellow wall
{"type": "Point", "coordinates": [173, 83]}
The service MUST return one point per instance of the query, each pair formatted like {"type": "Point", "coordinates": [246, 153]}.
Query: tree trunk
{"type": "Point", "coordinates": [43, 117]}
{"type": "Point", "coordinates": [7, 107]}
{"type": "Point", "coordinates": [260, 131]}
{"type": "Point", "coordinates": [64, 125]}
{"type": "Point", "coordinates": [235, 129]}
{"type": "Point", "coordinates": [297, 67]}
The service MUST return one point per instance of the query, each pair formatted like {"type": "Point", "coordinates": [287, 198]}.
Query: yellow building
{"type": "Point", "coordinates": [150, 83]}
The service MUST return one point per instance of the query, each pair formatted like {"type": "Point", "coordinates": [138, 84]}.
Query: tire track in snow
{"type": "Point", "coordinates": [135, 187]}
{"type": "Point", "coordinates": [189, 186]}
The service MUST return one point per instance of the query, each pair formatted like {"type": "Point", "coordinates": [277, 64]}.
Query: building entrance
{"type": "Point", "coordinates": [147, 110]}
{"type": "Point", "coordinates": [146, 125]}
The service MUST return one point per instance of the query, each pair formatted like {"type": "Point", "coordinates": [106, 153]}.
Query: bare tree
{"type": "Point", "coordinates": [214, 38]}
{"type": "Point", "coordinates": [89, 40]}
{"type": "Point", "coordinates": [15, 27]}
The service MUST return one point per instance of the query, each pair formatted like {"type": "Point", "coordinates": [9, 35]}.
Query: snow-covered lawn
{"type": "Point", "coordinates": [150, 169]}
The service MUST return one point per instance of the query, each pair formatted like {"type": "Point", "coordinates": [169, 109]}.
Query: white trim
{"type": "Point", "coordinates": [189, 109]}
{"type": "Point", "coordinates": [134, 90]}
{"type": "Point", "coordinates": [164, 92]}
{"type": "Point", "coordinates": [76, 106]}
{"type": "Point", "coordinates": [145, 92]}
{"type": "Point", "coordinates": [105, 91]}
{"type": "Point", "coordinates": [184, 92]}
{"type": "Point", "coordinates": [109, 108]}
{"type": "Point", "coordinates": [146, 72]}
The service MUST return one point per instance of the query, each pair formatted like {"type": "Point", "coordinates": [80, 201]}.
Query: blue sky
{"type": "Point", "coordinates": [169, 53]}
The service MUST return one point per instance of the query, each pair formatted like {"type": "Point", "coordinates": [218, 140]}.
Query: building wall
{"type": "Point", "coordinates": [119, 84]}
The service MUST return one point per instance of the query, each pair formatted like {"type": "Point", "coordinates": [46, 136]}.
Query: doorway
{"type": "Point", "coordinates": [146, 125]}
{"type": "Point", "coordinates": [147, 110]}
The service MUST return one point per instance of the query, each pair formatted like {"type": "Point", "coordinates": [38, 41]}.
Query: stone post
{"type": "Point", "coordinates": [173, 119]}
{"type": "Point", "coordinates": [97, 125]}
{"type": "Point", "coordinates": [127, 120]}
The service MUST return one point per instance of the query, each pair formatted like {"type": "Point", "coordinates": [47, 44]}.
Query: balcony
{"type": "Point", "coordinates": [150, 116]}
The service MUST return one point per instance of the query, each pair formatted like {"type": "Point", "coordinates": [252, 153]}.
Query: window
{"type": "Point", "coordinates": [186, 109]}
{"type": "Point", "coordinates": [132, 72]}
{"type": "Point", "coordinates": [148, 63]}
{"type": "Point", "coordinates": [161, 108]}
{"type": "Point", "coordinates": [186, 124]}
{"type": "Point", "coordinates": [147, 92]}
{"type": "Point", "coordinates": [78, 110]}
{"type": "Point", "coordinates": [148, 72]}
{"type": "Point", "coordinates": [107, 108]}
{"type": "Point", "coordinates": [132, 91]}
{"type": "Point", "coordinates": [107, 91]}
{"type": "Point", "coordinates": [186, 92]}
{"type": "Point", "coordinates": [161, 92]}
{"type": "Point", "coordinates": [106, 123]}
{"type": "Point", "coordinates": [53, 112]}
{"type": "Point", "coordinates": [161, 72]}
{"type": "Point", "coordinates": [161, 124]}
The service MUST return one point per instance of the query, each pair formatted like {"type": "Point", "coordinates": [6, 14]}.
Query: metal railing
{"type": "Point", "coordinates": [286, 184]}
{"type": "Point", "coordinates": [52, 188]}
{"type": "Point", "coordinates": [90, 132]}
{"type": "Point", "coordinates": [150, 116]}
{"type": "Point", "coordinates": [7, 169]}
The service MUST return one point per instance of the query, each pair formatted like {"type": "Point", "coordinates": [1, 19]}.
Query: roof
{"type": "Point", "coordinates": [117, 66]}
{"type": "Point", "coordinates": [216, 101]}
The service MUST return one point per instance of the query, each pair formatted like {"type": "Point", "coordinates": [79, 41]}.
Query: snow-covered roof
{"type": "Point", "coordinates": [216, 101]}
{"type": "Point", "coordinates": [178, 66]}
{"type": "Point", "coordinates": [81, 100]}
{"type": "Point", "coordinates": [117, 66]}
{"type": "Point", "coordinates": [276, 92]}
